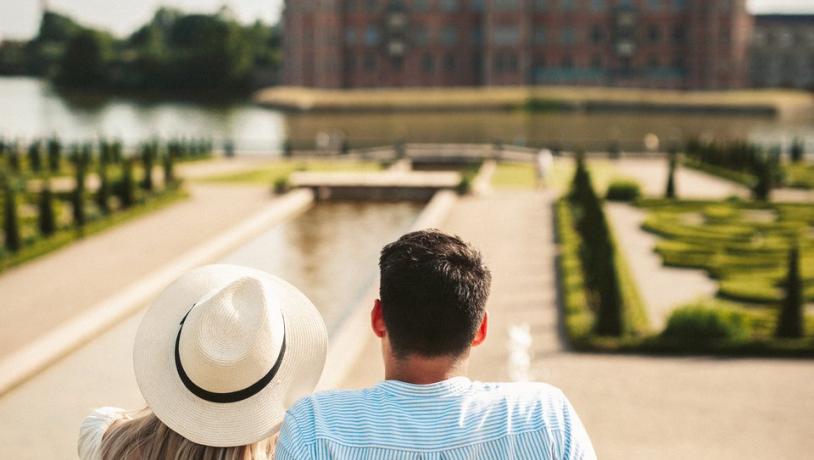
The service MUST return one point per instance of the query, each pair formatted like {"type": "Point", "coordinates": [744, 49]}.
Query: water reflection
{"type": "Point", "coordinates": [31, 108]}
{"type": "Point", "coordinates": [330, 252]}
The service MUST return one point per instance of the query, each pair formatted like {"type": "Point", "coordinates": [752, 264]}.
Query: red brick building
{"type": "Point", "coordinates": [698, 44]}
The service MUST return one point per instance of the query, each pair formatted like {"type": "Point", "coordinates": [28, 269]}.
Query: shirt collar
{"type": "Point", "coordinates": [453, 386]}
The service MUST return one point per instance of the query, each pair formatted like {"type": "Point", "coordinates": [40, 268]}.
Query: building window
{"type": "Point", "coordinates": [506, 35]}
{"type": "Point", "coordinates": [539, 36]}
{"type": "Point", "coordinates": [477, 5]}
{"type": "Point", "coordinates": [449, 5]}
{"type": "Point", "coordinates": [567, 5]}
{"type": "Point", "coordinates": [350, 37]}
{"type": "Point", "coordinates": [371, 35]}
{"type": "Point", "coordinates": [597, 5]}
{"type": "Point", "coordinates": [428, 63]}
{"type": "Point", "coordinates": [422, 36]}
{"type": "Point", "coordinates": [679, 5]}
{"type": "Point", "coordinates": [449, 62]}
{"type": "Point", "coordinates": [596, 34]}
{"type": "Point", "coordinates": [477, 35]}
{"type": "Point", "coordinates": [567, 62]}
{"type": "Point", "coordinates": [654, 34]}
{"type": "Point", "coordinates": [679, 35]}
{"type": "Point", "coordinates": [421, 5]}
{"type": "Point", "coordinates": [654, 5]}
{"type": "Point", "coordinates": [506, 63]}
{"type": "Point", "coordinates": [568, 35]}
{"type": "Point", "coordinates": [626, 3]}
{"type": "Point", "coordinates": [449, 36]}
{"type": "Point", "coordinates": [596, 61]}
{"type": "Point", "coordinates": [507, 5]}
{"type": "Point", "coordinates": [540, 5]}
{"type": "Point", "coordinates": [370, 62]}
{"type": "Point", "coordinates": [371, 5]}
{"type": "Point", "coordinates": [653, 62]}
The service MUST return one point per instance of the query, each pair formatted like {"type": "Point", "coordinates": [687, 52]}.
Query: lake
{"type": "Point", "coordinates": [32, 108]}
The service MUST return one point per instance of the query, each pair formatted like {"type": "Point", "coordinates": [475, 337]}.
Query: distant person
{"type": "Point", "coordinates": [218, 357]}
{"type": "Point", "coordinates": [545, 161]}
{"type": "Point", "coordinates": [431, 313]}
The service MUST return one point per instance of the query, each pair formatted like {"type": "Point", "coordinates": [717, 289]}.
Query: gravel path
{"type": "Point", "coordinates": [652, 175]}
{"type": "Point", "coordinates": [662, 288]}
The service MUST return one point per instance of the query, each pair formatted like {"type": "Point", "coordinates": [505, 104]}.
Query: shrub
{"type": "Point", "coordinates": [11, 222]}
{"type": "Point", "coordinates": [797, 150]}
{"type": "Point", "coordinates": [702, 323]}
{"type": "Point", "coordinates": [103, 192]}
{"type": "Point", "coordinates": [54, 154]}
{"type": "Point", "coordinates": [465, 184]}
{"type": "Point", "coordinates": [127, 193]}
{"type": "Point", "coordinates": [78, 196]}
{"type": "Point", "coordinates": [670, 193]}
{"type": "Point", "coordinates": [147, 156]}
{"type": "Point", "coordinates": [35, 156]}
{"type": "Point", "coordinates": [790, 322]}
{"type": "Point", "coordinates": [46, 220]}
{"type": "Point", "coordinates": [281, 185]}
{"type": "Point", "coordinates": [623, 190]}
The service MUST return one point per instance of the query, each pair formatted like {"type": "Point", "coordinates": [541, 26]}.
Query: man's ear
{"type": "Point", "coordinates": [480, 335]}
{"type": "Point", "coordinates": [377, 319]}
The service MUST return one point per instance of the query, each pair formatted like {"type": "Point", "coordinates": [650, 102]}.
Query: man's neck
{"type": "Point", "coordinates": [421, 370]}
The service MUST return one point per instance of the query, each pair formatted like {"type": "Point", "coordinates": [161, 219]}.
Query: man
{"type": "Point", "coordinates": [430, 314]}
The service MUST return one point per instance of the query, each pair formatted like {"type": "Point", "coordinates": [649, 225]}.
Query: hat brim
{"type": "Point", "coordinates": [226, 424]}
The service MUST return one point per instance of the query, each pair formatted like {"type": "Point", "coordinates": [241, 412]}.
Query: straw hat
{"type": "Point", "coordinates": [224, 350]}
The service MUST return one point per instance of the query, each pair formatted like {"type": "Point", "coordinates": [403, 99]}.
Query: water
{"type": "Point", "coordinates": [30, 107]}
{"type": "Point", "coordinates": [331, 252]}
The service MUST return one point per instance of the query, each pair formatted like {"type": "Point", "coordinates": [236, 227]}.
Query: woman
{"type": "Point", "coordinates": [218, 357]}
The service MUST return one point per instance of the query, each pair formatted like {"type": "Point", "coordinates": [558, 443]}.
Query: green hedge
{"type": "Point", "coordinates": [623, 190]}
{"type": "Point", "coordinates": [579, 318]}
{"type": "Point", "coordinates": [703, 324]}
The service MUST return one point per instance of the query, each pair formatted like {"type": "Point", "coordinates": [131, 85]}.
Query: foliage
{"type": "Point", "coordinates": [670, 192]}
{"type": "Point", "coordinates": [85, 62]}
{"type": "Point", "coordinates": [514, 175]}
{"type": "Point", "coordinates": [623, 190]}
{"type": "Point", "coordinates": [597, 255]}
{"type": "Point", "coordinates": [790, 322]}
{"type": "Point", "coordinates": [745, 246]}
{"type": "Point", "coordinates": [172, 52]}
{"type": "Point", "coordinates": [699, 323]}
{"type": "Point", "coordinates": [46, 219]}
{"type": "Point", "coordinates": [11, 223]}
{"type": "Point", "coordinates": [797, 150]}
{"type": "Point", "coordinates": [78, 197]}
{"type": "Point", "coordinates": [126, 188]}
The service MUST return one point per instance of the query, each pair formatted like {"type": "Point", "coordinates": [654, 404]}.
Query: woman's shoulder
{"type": "Point", "coordinates": [93, 429]}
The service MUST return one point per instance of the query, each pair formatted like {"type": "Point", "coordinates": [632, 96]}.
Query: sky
{"type": "Point", "coordinates": [20, 18]}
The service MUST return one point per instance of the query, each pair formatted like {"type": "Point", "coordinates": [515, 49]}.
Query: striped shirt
{"type": "Point", "coordinates": [453, 419]}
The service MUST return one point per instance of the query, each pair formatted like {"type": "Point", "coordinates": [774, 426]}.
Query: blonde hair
{"type": "Point", "coordinates": [145, 437]}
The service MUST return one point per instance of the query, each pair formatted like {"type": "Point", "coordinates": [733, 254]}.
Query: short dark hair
{"type": "Point", "coordinates": [433, 293]}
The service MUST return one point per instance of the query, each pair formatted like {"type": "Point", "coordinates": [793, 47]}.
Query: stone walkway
{"type": "Point", "coordinates": [634, 407]}
{"type": "Point", "coordinates": [42, 294]}
{"type": "Point", "coordinates": [691, 184]}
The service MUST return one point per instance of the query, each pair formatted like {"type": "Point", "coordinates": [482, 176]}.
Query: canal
{"type": "Point", "coordinates": [31, 107]}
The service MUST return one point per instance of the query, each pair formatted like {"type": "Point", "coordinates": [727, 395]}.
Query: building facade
{"type": "Point", "coordinates": [782, 51]}
{"type": "Point", "coordinates": [696, 44]}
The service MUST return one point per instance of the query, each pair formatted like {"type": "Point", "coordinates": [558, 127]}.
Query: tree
{"type": "Point", "coordinates": [103, 192]}
{"type": "Point", "coordinates": [46, 220]}
{"type": "Point", "coordinates": [762, 188]}
{"type": "Point", "coordinates": [35, 156]}
{"type": "Point", "coordinates": [790, 322]}
{"type": "Point", "coordinates": [670, 193]}
{"type": "Point", "coordinates": [54, 154]}
{"type": "Point", "coordinates": [797, 150]}
{"type": "Point", "coordinates": [169, 168]}
{"type": "Point", "coordinates": [127, 186]}
{"type": "Point", "coordinates": [14, 157]}
{"type": "Point", "coordinates": [147, 155]}
{"type": "Point", "coordinates": [597, 254]}
{"type": "Point", "coordinates": [78, 195]}
{"type": "Point", "coordinates": [11, 223]}
{"type": "Point", "coordinates": [85, 59]}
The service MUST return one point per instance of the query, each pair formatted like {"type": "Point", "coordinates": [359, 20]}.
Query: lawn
{"type": "Point", "coordinates": [800, 175]}
{"type": "Point", "coordinates": [272, 173]}
{"type": "Point", "coordinates": [514, 175]}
